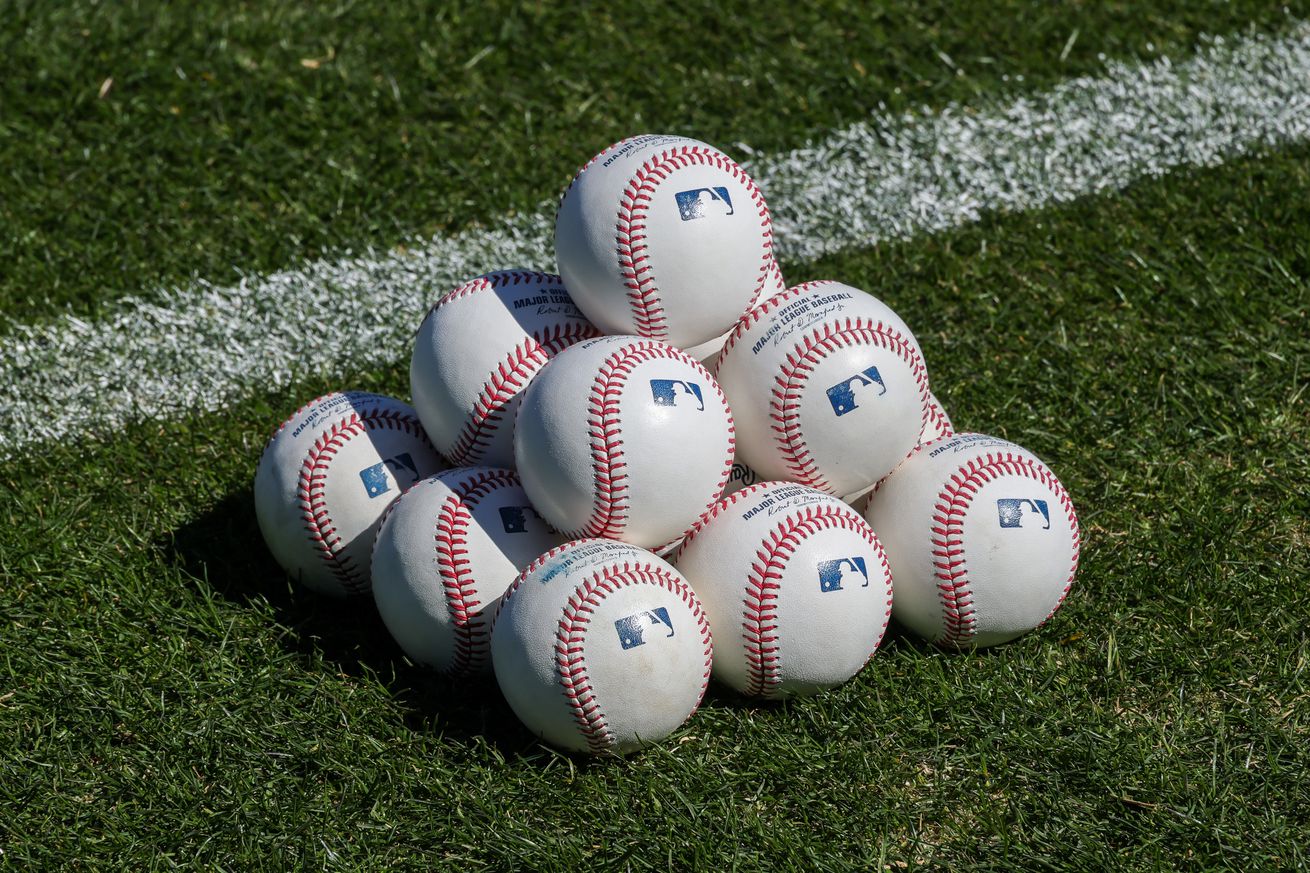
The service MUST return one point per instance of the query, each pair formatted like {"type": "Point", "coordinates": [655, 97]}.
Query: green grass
{"type": "Point", "coordinates": [172, 701]}
{"type": "Point", "coordinates": [169, 699]}
{"type": "Point", "coordinates": [248, 137]}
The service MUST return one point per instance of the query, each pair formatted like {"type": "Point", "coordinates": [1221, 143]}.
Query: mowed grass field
{"type": "Point", "coordinates": [169, 699]}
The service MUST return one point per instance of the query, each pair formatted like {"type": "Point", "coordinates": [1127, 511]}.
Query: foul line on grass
{"type": "Point", "coordinates": [202, 347]}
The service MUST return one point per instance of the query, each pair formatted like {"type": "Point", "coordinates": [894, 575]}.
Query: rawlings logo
{"type": "Point", "coordinates": [1013, 511]}
{"type": "Point", "coordinates": [743, 476]}
{"type": "Point", "coordinates": [700, 202]}
{"type": "Point", "coordinates": [842, 395]}
{"type": "Point", "coordinates": [520, 519]}
{"type": "Point", "coordinates": [632, 630]}
{"type": "Point", "coordinates": [668, 392]}
{"type": "Point", "coordinates": [833, 573]}
{"type": "Point", "coordinates": [375, 477]}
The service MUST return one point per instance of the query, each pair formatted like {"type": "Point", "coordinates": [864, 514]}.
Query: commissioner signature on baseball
{"type": "Point", "coordinates": [803, 324]}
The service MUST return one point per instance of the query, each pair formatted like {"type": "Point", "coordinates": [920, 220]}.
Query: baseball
{"type": "Point", "coordinates": [623, 438]}
{"type": "Point", "coordinates": [826, 388]}
{"type": "Point", "coordinates": [981, 537]}
{"type": "Point", "coordinates": [706, 352]}
{"type": "Point", "coordinates": [663, 237]}
{"type": "Point", "coordinates": [445, 553]}
{"type": "Point", "coordinates": [325, 479]}
{"type": "Point", "coordinates": [796, 587]}
{"type": "Point", "coordinates": [477, 349]}
{"type": "Point", "coordinates": [601, 647]}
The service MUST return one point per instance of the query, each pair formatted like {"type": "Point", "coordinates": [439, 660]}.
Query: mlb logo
{"type": "Point", "coordinates": [675, 392]}
{"type": "Point", "coordinates": [520, 519]}
{"type": "Point", "coordinates": [842, 396]}
{"type": "Point", "coordinates": [632, 630]}
{"type": "Point", "coordinates": [375, 479]}
{"type": "Point", "coordinates": [833, 574]}
{"type": "Point", "coordinates": [1014, 511]}
{"type": "Point", "coordinates": [700, 202]}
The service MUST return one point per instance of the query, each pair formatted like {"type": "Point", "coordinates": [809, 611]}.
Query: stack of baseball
{"type": "Point", "coordinates": [599, 540]}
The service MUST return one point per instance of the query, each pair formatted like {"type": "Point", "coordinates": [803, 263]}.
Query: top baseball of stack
{"type": "Point", "coordinates": [600, 541]}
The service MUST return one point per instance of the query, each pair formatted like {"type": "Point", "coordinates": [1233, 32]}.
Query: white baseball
{"type": "Point", "coordinates": [827, 389]}
{"type": "Point", "coordinates": [476, 351]}
{"type": "Point", "coordinates": [623, 438]}
{"type": "Point", "coordinates": [981, 537]}
{"type": "Point", "coordinates": [445, 553]}
{"type": "Point", "coordinates": [601, 647]}
{"type": "Point", "coordinates": [707, 352]}
{"type": "Point", "coordinates": [795, 585]}
{"type": "Point", "coordinates": [663, 237]}
{"type": "Point", "coordinates": [325, 479]}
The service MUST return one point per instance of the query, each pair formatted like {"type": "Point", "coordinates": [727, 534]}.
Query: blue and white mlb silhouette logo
{"type": "Point", "coordinates": [1021, 512]}
{"type": "Point", "coordinates": [375, 477]}
{"type": "Point", "coordinates": [520, 519]}
{"type": "Point", "coordinates": [676, 392]}
{"type": "Point", "coordinates": [700, 202]}
{"type": "Point", "coordinates": [632, 630]}
{"type": "Point", "coordinates": [836, 575]}
{"type": "Point", "coordinates": [843, 395]}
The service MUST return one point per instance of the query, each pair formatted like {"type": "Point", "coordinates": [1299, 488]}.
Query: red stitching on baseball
{"type": "Point", "coordinates": [518, 580]}
{"type": "Point", "coordinates": [630, 230]}
{"type": "Point", "coordinates": [759, 606]}
{"type": "Point", "coordinates": [472, 630]}
{"type": "Point", "coordinates": [958, 617]}
{"type": "Point", "coordinates": [570, 659]}
{"type": "Point", "coordinates": [313, 477]}
{"type": "Point", "coordinates": [559, 337]}
{"type": "Point", "coordinates": [784, 406]}
{"type": "Point", "coordinates": [936, 416]}
{"type": "Point", "coordinates": [500, 279]}
{"type": "Point", "coordinates": [510, 377]}
{"type": "Point", "coordinates": [757, 312]}
{"type": "Point", "coordinates": [515, 371]}
{"type": "Point", "coordinates": [609, 512]}
{"type": "Point", "coordinates": [716, 509]}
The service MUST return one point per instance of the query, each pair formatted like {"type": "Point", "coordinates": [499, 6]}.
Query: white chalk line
{"type": "Point", "coordinates": [202, 347]}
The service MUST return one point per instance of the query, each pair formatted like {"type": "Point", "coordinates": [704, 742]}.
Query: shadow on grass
{"type": "Point", "coordinates": [224, 550]}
